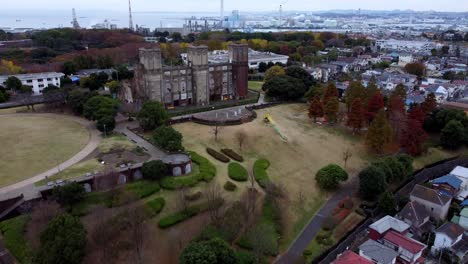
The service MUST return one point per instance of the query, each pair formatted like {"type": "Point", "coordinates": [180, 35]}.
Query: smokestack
{"type": "Point", "coordinates": [130, 18]}
{"type": "Point", "coordinates": [281, 16]}
{"type": "Point", "coordinates": [222, 13]}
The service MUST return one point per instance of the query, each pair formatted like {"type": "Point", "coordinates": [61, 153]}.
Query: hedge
{"type": "Point", "coordinates": [181, 216]}
{"type": "Point", "coordinates": [156, 205]}
{"type": "Point", "coordinates": [193, 196]}
{"type": "Point", "coordinates": [260, 174]}
{"type": "Point", "coordinates": [13, 236]}
{"type": "Point", "coordinates": [143, 189]}
{"type": "Point", "coordinates": [219, 156]}
{"type": "Point", "coordinates": [232, 154]}
{"type": "Point", "coordinates": [229, 186]}
{"type": "Point", "coordinates": [237, 172]}
{"type": "Point", "coordinates": [207, 173]}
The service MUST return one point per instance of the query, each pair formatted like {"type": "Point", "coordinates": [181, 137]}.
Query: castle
{"type": "Point", "coordinates": [198, 82]}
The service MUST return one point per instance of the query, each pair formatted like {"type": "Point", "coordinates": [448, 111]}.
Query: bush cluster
{"type": "Point", "coordinates": [229, 186]}
{"type": "Point", "coordinates": [156, 205]}
{"type": "Point", "coordinates": [232, 154]}
{"type": "Point", "coordinates": [181, 216]}
{"type": "Point", "coordinates": [193, 196]}
{"type": "Point", "coordinates": [237, 172]}
{"type": "Point", "coordinates": [260, 174]}
{"type": "Point", "coordinates": [219, 156]}
{"type": "Point", "coordinates": [207, 173]}
{"type": "Point", "coordinates": [143, 189]}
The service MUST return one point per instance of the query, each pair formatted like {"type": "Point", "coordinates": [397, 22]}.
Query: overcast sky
{"type": "Point", "coordinates": [243, 5]}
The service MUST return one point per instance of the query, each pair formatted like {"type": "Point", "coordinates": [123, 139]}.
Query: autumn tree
{"type": "Point", "coordinates": [356, 90]}
{"type": "Point", "coordinates": [379, 133]}
{"type": "Point", "coordinates": [330, 91]}
{"type": "Point", "coordinates": [375, 104]}
{"type": "Point", "coordinates": [397, 116]}
{"type": "Point", "coordinates": [400, 91]}
{"type": "Point", "coordinates": [356, 116]}
{"type": "Point", "coordinates": [9, 67]}
{"type": "Point", "coordinates": [417, 113]}
{"type": "Point", "coordinates": [413, 137]}
{"type": "Point", "coordinates": [371, 89]}
{"type": "Point", "coordinates": [316, 108]}
{"type": "Point", "coordinates": [416, 68]}
{"type": "Point", "coordinates": [331, 109]}
{"type": "Point", "coordinates": [274, 72]}
{"type": "Point", "coordinates": [429, 104]}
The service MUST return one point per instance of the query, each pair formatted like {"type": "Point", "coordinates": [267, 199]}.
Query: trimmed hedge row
{"type": "Point", "coordinates": [156, 205]}
{"type": "Point", "coordinates": [260, 174]}
{"type": "Point", "coordinates": [219, 156]}
{"type": "Point", "coordinates": [207, 173]}
{"type": "Point", "coordinates": [143, 188]}
{"type": "Point", "coordinates": [229, 186]}
{"type": "Point", "coordinates": [232, 154]}
{"type": "Point", "coordinates": [237, 172]}
{"type": "Point", "coordinates": [181, 216]}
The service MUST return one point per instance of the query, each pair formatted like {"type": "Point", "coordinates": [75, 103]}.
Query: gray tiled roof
{"type": "Point", "coordinates": [378, 252]}
{"type": "Point", "coordinates": [430, 195]}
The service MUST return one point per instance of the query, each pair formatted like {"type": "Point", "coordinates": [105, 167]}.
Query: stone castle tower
{"type": "Point", "coordinates": [197, 58]}
{"type": "Point", "coordinates": [239, 57]}
{"type": "Point", "coordinates": [151, 79]}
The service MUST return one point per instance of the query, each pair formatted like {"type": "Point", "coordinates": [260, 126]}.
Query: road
{"type": "Point", "coordinates": [26, 187]}
{"type": "Point", "coordinates": [294, 252]}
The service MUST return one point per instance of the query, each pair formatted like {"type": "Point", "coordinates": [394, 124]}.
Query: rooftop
{"type": "Point", "coordinates": [388, 222]}
{"type": "Point", "coordinates": [430, 195]}
{"type": "Point", "coordinates": [30, 76]}
{"type": "Point", "coordinates": [415, 212]}
{"type": "Point", "coordinates": [451, 180]}
{"type": "Point", "coordinates": [451, 230]}
{"type": "Point", "coordinates": [460, 172]}
{"type": "Point", "coordinates": [351, 257]}
{"type": "Point", "coordinates": [378, 252]}
{"type": "Point", "coordinates": [407, 243]}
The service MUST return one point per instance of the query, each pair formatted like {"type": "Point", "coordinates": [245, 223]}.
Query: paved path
{"type": "Point", "coordinates": [27, 186]}
{"type": "Point", "coordinates": [294, 252]}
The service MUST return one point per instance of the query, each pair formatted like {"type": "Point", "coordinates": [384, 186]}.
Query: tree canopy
{"type": "Point", "coordinates": [273, 72]}
{"type": "Point", "coordinates": [152, 115]}
{"type": "Point", "coordinates": [285, 88]}
{"type": "Point", "coordinates": [154, 170]}
{"type": "Point", "coordinates": [329, 177]}
{"type": "Point", "coordinates": [372, 182]}
{"type": "Point", "coordinates": [168, 138]}
{"type": "Point", "coordinates": [98, 106]}
{"type": "Point", "coordinates": [214, 251]}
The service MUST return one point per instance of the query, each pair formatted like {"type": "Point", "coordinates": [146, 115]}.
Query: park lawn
{"type": "Point", "coordinates": [13, 235]}
{"type": "Point", "coordinates": [34, 144]}
{"type": "Point", "coordinates": [293, 163]}
{"type": "Point", "coordinates": [256, 86]}
{"type": "Point", "coordinates": [436, 154]}
{"type": "Point", "coordinates": [115, 141]}
{"type": "Point", "coordinates": [74, 171]}
{"type": "Point", "coordinates": [21, 109]}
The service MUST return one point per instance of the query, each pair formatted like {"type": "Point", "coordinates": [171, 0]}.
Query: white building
{"type": "Point", "coordinates": [38, 81]}
{"type": "Point", "coordinates": [446, 236]}
{"type": "Point", "coordinates": [404, 59]}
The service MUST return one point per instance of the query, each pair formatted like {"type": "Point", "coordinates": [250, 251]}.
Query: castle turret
{"type": "Point", "coordinates": [151, 62]}
{"type": "Point", "coordinates": [197, 58]}
{"type": "Point", "coordinates": [239, 57]}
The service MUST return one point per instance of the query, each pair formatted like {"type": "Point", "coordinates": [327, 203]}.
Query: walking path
{"type": "Point", "coordinates": [294, 252]}
{"type": "Point", "coordinates": [26, 187]}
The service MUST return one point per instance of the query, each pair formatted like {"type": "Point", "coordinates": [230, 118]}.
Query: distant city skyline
{"type": "Point", "coordinates": [242, 5]}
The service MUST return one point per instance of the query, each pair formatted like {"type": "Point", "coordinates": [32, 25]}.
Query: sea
{"type": "Point", "coordinates": [43, 19]}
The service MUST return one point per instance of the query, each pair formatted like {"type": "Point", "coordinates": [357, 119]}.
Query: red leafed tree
{"type": "Point", "coordinates": [397, 117]}
{"type": "Point", "coordinates": [315, 108]}
{"type": "Point", "coordinates": [376, 102]}
{"type": "Point", "coordinates": [413, 137]}
{"type": "Point", "coordinates": [416, 113]}
{"type": "Point", "coordinates": [330, 92]}
{"type": "Point", "coordinates": [357, 115]}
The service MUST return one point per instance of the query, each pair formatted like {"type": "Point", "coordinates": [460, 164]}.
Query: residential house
{"type": "Point", "coordinates": [447, 236]}
{"type": "Point", "coordinates": [409, 250]}
{"type": "Point", "coordinates": [342, 66]}
{"type": "Point", "coordinates": [388, 223]}
{"type": "Point", "coordinates": [448, 184]}
{"type": "Point", "coordinates": [377, 252]}
{"type": "Point", "coordinates": [463, 220]}
{"type": "Point", "coordinates": [416, 215]}
{"type": "Point", "coordinates": [435, 202]}
{"type": "Point", "coordinates": [462, 174]}
{"type": "Point", "coordinates": [404, 59]}
{"type": "Point", "coordinates": [440, 92]}
{"type": "Point", "coordinates": [415, 98]}
{"type": "Point", "coordinates": [350, 257]}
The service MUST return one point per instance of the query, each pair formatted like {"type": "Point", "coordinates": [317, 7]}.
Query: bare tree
{"type": "Point", "coordinates": [182, 202]}
{"type": "Point", "coordinates": [301, 198]}
{"type": "Point", "coordinates": [137, 217]}
{"type": "Point", "coordinates": [105, 238]}
{"type": "Point", "coordinates": [41, 215]}
{"type": "Point", "coordinates": [216, 130]}
{"type": "Point", "coordinates": [241, 138]}
{"type": "Point", "coordinates": [347, 154]}
{"type": "Point", "coordinates": [261, 240]}
{"type": "Point", "coordinates": [214, 199]}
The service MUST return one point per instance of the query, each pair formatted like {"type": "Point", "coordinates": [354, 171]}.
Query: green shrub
{"type": "Point", "coordinates": [13, 236]}
{"type": "Point", "coordinates": [229, 186]}
{"type": "Point", "coordinates": [156, 205]}
{"type": "Point", "coordinates": [260, 174]}
{"type": "Point", "coordinates": [237, 172]}
{"type": "Point", "coordinates": [193, 196]}
{"type": "Point", "coordinates": [219, 156]}
{"type": "Point", "coordinates": [178, 217]}
{"type": "Point", "coordinates": [232, 154]}
{"type": "Point", "coordinates": [143, 189]}
{"type": "Point", "coordinates": [329, 177]}
{"type": "Point", "coordinates": [207, 173]}
{"type": "Point", "coordinates": [167, 138]}
{"type": "Point", "coordinates": [360, 212]}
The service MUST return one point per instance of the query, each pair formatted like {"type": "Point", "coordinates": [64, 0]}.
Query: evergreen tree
{"type": "Point", "coordinates": [372, 183]}
{"type": "Point", "coordinates": [315, 108]}
{"type": "Point", "coordinates": [356, 115]}
{"type": "Point", "coordinates": [379, 133]}
{"type": "Point", "coordinates": [453, 135]}
{"type": "Point", "coordinates": [356, 90]}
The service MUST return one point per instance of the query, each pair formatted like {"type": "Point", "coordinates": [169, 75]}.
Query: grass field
{"type": "Point", "coordinates": [256, 86]}
{"type": "Point", "coordinates": [34, 144]}
{"type": "Point", "coordinates": [74, 171]}
{"type": "Point", "coordinates": [293, 163]}
{"type": "Point", "coordinates": [116, 141]}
